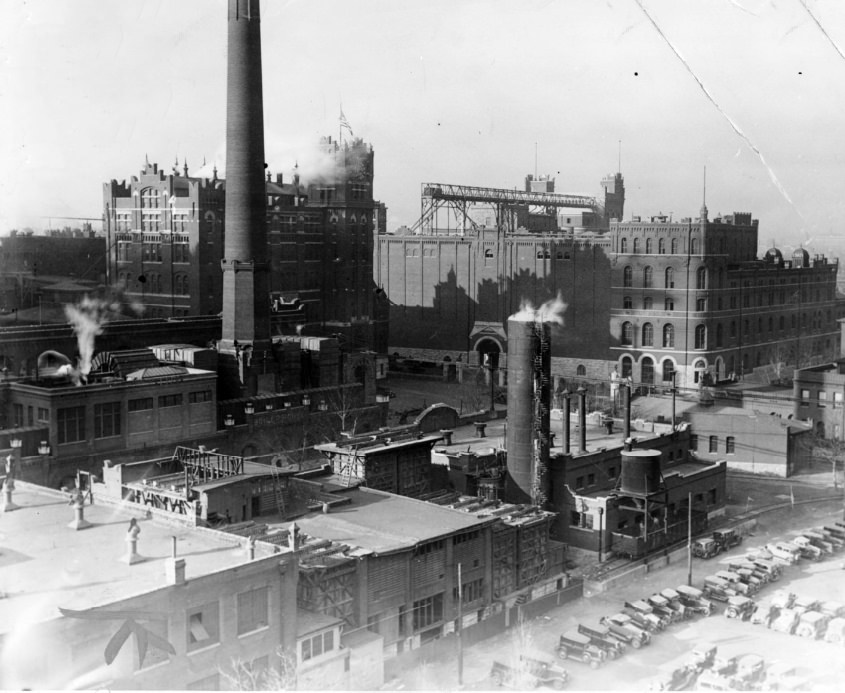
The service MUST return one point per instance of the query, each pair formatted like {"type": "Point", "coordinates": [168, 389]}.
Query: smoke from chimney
{"type": "Point", "coordinates": [550, 311]}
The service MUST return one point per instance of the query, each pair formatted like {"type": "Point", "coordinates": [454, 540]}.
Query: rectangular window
{"type": "Point", "coordinates": [611, 473]}
{"type": "Point", "coordinates": [805, 398]}
{"type": "Point", "coordinates": [317, 645]}
{"type": "Point", "coordinates": [579, 482]}
{"type": "Point", "coordinates": [430, 547]}
{"type": "Point", "coordinates": [174, 400]}
{"type": "Point", "coordinates": [374, 623]}
{"type": "Point", "coordinates": [201, 396]}
{"type": "Point", "coordinates": [428, 611]}
{"type": "Point", "coordinates": [141, 404]}
{"type": "Point", "coordinates": [693, 442]}
{"type": "Point", "coordinates": [837, 400]}
{"type": "Point", "coordinates": [711, 496]}
{"type": "Point", "coordinates": [18, 415]}
{"type": "Point", "coordinates": [714, 444]}
{"type": "Point", "coordinates": [252, 610]}
{"type": "Point", "coordinates": [822, 399]}
{"type": "Point", "coordinates": [70, 424]}
{"type": "Point", "coordinates": [203, 626]}
{"type": "Point", "coordinates": [470, 591]}
{"type": "Point", "coordinates": [730, 446]}
{"type": "Point", "coordinates": [107, 419]}
{"type": "Point", "coordinates": [591, 479]}
{"type": "Point", "coordinates": [43, 415]}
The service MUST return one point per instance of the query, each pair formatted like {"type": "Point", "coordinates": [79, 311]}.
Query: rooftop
{"type": "Point", "coordinates": [44, 564]}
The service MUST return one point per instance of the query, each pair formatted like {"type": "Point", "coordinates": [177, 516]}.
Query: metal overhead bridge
{"type": "Point", "coordinates": [457, 199]}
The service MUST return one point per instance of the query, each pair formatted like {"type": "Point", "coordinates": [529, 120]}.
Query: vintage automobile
{"type": "Point", "coordinates": [711, 681]}
{"type": "Point", "coordinates": [804, 603]}
{"type": "Point", "coordinates": [835, 632]}
{"type": "Point", "coordinates": [781, 676]}
{"type": "Point", "coordinates": [810, 549]}
{"type": "Point", "coordinates": [705, 548]}
{"type": "Point", "coordinates": [786, 621]}
{"type": "Point", "coordinates": [703, 655]}
{"type": "Point", "coordinates": [663, 609]}
{"type": "Point", "coordinates": [673, 599]}
{"type": "Point", "coordinates": [718, 589]}
{"type": "Point", "coordinates": [772, 569]}
{"type": "Point", "coordinates": [812, 624]}
{"type": "Point", "coordinates": [750, 671]}
{"type": "Point", "coordinates": [739, 607]}
{"type": "Point", "coordinates": [753, 570]}
{"type": "Point", "coordinates": [623, 628]}
{"type": "Point", "coordinates": [760, 553]}
{"type": "Point", "coordinates": [784, 552]}
{"type": "Point", "coordinates": [694, 600]}
{"type": "Point", "coordinates": [832, 609]}
{"type": "Point", "coordinates": [727, 538]}
{"type": "Point", "coordinates": [833, 538]}
{"type": "Point", "coordinates": [531, 672]}
{"type": "Point", "coordinates": [641, 609]}
{"type": "Point", "coordinates": [724, 665]}
{"type": "Point", "coordinates": [783, 599]}
{"type": "Point", "coordinates": [737, 584]}
{"type": "Point", "coordinates": [838, 532]}
{"type": "Point", "coordinates": [824, 541]}
{"type": "Point", "coordinates": [764, 613]}
{"type": "Point", "coordinates": [600, 636]}
{"type": "Point", "coordinates": [575, 645]}
{"type": "Point", "coordinates": [675, 679]}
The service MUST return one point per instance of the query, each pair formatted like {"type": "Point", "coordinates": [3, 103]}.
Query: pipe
{"type": "Point", "coordinates": [566, 413]}
{"type": "Point", "coordinates": [626, 388]}
{"type": "Point", "coordinates": [582, 419]}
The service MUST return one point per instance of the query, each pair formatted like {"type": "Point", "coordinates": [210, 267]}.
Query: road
{"type": "Point", "coordinates": [822, 663]}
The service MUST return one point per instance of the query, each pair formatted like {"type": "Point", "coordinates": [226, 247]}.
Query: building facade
{"type": "Point", "coordinates": [691, 298]}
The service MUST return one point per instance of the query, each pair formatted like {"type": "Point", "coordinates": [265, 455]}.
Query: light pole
{"type": "Point", "coordinates": [12, 462]}
{"type": "Point", "coordinates": [689, 538]}
{"type": "Point", "coordinates": [601, 515]}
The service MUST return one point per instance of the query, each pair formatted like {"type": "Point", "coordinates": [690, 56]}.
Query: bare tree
{"type": "Point", "coordinates": [278, 675]}
{"type": "Point", "coordinates": [830, 451]}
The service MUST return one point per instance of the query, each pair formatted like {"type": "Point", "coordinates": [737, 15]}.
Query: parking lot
{"type": "Point", "coordinates": [823, 664]}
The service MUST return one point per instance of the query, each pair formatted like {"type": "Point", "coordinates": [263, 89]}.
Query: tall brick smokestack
{"type": "Point", "coordinates": [246, 282]}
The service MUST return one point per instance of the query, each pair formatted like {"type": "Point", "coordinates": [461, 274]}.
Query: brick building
{"type": "Point", "coordinates": [692, 298]}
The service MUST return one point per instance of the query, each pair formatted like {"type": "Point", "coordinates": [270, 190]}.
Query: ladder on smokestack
{"type": "Point", "coordinates": [278, 493]}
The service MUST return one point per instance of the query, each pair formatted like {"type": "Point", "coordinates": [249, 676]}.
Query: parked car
{"type": "Point", "coordinates": [737, 583]}
{"type": "Point", "coordinates": [750, 670]}
{"type": "Point", "coordinates": [834, 538]}
{"type": "Point", "coordinates": [718, 589]}
{"type": "Point", "coordinates": [784, 552]}
{"type": "Point", "coordinates": [752, 569]}
{"type": "Point", "coordinates": [739, 607]}
{"type": "Point", "coordinates": [705, 548]}
{"type": "Point", "coordinates": [812, 624]}
{"type": "Point", "coordinates": [623, 628]}
{"type": "Point", "coordinates": [832, 609]}
{"type": "Point", "coordinates": [764, 613]}
{"type": "Point", "coordinates": [783, 599]}
{"type": "Point", "coordinates": [677, 679]}
{"type": "Point", "coordinates": [727, 538]}
{"type": "Point", "coordinates": [673, 599]}
{"type": "Point", "coordinates": [641, 608]}
{"type": "Point", "coordinates": [600, 636]}
{"type": "Point", "coordinates": [662, 608]}
{"type": "Point", "coordinates": [835, 632]}
{"type": "Point", "coordinates": [760, 553]}
{"type": "Point", "coordinates": [694, 600]}
{"type": "Point", "coordinates": [838, 532]}
{"type": "Point", "coordinates": [804, 603]}
{"type": "Point", "coordinates": [811, 549]}
{"type": "Point", "coordinates": [575, 645]}
{"type": "Point", "coordinates": [530, 673]}
{"type": "Point", "coordinates": [711, 681]}
{"type": "Point", "coordinates": [786, 621]}
{"type": "Point", "coordinates": [828, 543]}
{"type": "Point", "coordinates": [772, 569]}
{"type": "Point", "coordinates": [703, 655]}
{"type": "Point", "coordinates": [724, 665]}
{"type": "Point", "coordinates": [782, 677]}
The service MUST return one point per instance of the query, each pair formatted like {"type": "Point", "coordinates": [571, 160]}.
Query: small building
{"type": "Point", "coordinates": [819, 394]}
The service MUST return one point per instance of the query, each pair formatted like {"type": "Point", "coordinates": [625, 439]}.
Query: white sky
{"type": "Point", "coordinates": [451, 91]}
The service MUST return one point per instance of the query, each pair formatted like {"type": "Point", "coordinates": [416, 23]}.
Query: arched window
{"type": "Point", "coordinates": [647, 371]}
{"type": "Point", "coordinates": [668, 370]}
{"type": "Point", "coordinates": [670, 278]}
{"type": "Point", "coordinates": [693, 246]}
{"type": "Point", "coordinates": [674, 246]}
{"type": "Point", "coordinates": [699, 368]}
{"type": "Point", "coordinates": [648, 246]}
{"type": "Point", "coordinates": [627, 366]}
{"type": "Point", "coordinates": [719, 335]}
{"type": "Point", "coordinates": [636, 245]}
{"type": "Point", "coordinates": [648, 334]}
{"type": "Point", "coordinates": [628, 276]}
{"type": "Point", "coordinates": [623, 245]}
{"type": "Point", "coordinates": [581, 369]}
{"type": "Point", "coordinates": [668, 336]}
{"type": "Point", "coordinates": [648, 273]}
{"type": "Point", "coordinates": [627, 333]}
{"type": "Point", "coordinates": [661, 246]}
{"type": "Point", "coordinates": [701, 278]}
{"type": "Point", "coordinates": [488, 254]}
{"type": "Point", "coordinates": [700, 337]}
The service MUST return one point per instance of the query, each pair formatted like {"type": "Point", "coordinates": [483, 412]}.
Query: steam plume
{"type": "Point", "coordinates": [550, 311]}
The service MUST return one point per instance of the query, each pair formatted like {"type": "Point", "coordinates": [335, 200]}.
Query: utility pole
{"type": "Point", "coordinates": [674, 391]}
{"type": "Point", "coordinates": [689, 538]}
{"type": "Point", "coordinates": [460, 629]}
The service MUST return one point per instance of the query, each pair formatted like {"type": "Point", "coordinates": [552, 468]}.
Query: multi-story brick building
{"type": "Point", "coordinates": [166, 232]}
{"type": "Point", "coordinates": [692, 298]}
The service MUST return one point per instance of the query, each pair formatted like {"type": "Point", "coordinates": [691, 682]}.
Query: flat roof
{"type": "Point", "coordinates": [383, 522]}
{"type": "Point", "coordinates": [44, 564]}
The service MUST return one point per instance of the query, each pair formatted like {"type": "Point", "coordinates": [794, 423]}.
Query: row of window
{"type": "Point", "coordinates": [713, 444]}
{"type": "Point", "coordinates": [821, 399]}
{"type": "Point", "coordinates": [70, 421]}
{"type": "Point", "coordinates": [668, 335]}
{"type": "Point", "coordinates": [668, 277]}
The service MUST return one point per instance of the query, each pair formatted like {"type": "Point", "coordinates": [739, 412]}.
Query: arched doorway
{"type": "Point", "coordinates": [699, 367]}
{"type": "Point", "coordinates": [647, 370]}
{"type": "Point", "coordinates": [488, 357]}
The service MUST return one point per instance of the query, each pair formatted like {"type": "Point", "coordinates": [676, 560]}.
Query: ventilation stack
{"type": "Point", "coordinates": [529, 404]}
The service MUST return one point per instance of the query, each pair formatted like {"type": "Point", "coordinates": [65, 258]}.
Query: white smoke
{"type": "Point", "coordinates": [550, 311]}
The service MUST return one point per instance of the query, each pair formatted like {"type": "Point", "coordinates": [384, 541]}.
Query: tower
{"type": "Point", "coordinates": [614, 197]}
{"type": "Point", "coordinates": [246, 358]}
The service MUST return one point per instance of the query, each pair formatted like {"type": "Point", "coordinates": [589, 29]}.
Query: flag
{"type": "Point", "coordinates": [345, 123]}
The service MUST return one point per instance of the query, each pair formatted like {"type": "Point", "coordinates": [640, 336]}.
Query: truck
{"type": "Point", "coordinates": [575, 645]}
{"type": "Point", "coordinates": [531, 672]}
{"type": "Point", "coordinates": [623, 628]}
{"type": "Point", "coordinates": [600, 636]}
